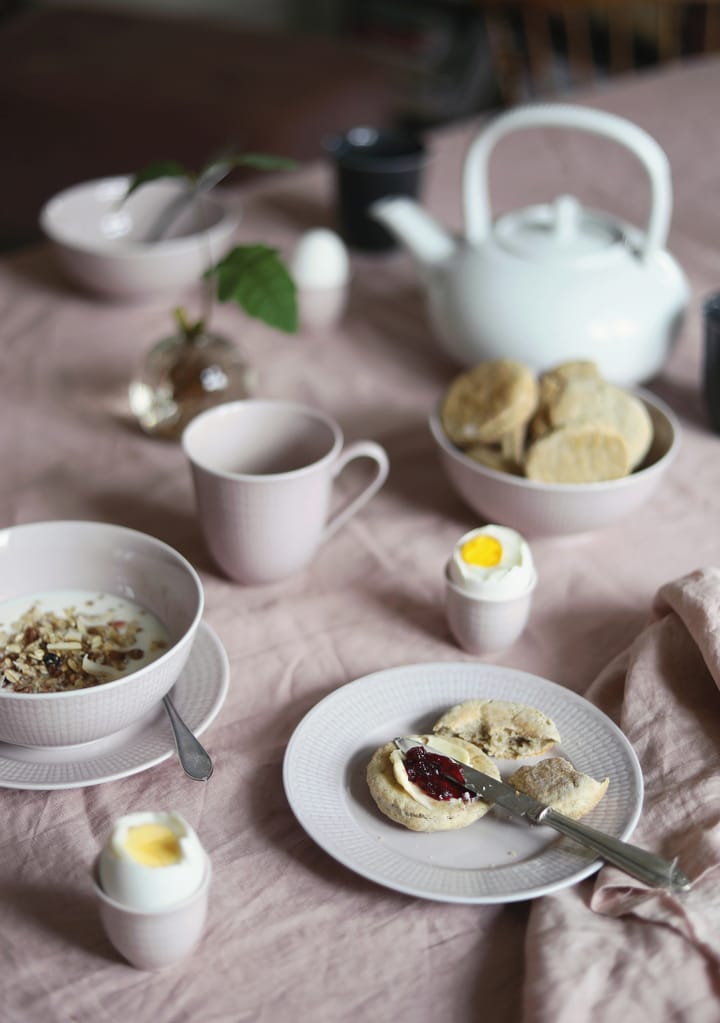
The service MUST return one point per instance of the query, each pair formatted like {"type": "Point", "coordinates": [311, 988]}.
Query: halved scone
{"type": "Point", "coordinates": [500, 728]}
{"type": "Point", "coordinates": [556, 783]}
{"type": "Point", "coordinates": [407, 804]}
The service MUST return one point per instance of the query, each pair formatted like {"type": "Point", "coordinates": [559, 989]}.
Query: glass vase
{"type": "Point", "coordinates": [184, 374]}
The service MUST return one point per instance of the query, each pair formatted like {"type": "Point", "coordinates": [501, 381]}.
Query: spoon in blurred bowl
{"type": "Point", "coordinates": [210, 177]}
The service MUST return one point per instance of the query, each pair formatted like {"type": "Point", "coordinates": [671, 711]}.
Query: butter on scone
{"type": "Point", "coordinates": [408, 803]}
{"type": "Point", "coordinates": [500, 728]}
{"type": "Point", "coordinates": [556, 783]}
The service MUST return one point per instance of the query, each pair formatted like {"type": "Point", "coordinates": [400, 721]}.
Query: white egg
{"type": "Point", "coordinates": [320, 260]}
{"type": "Point", "coordinates": [151, 861]}
{"type": "Point", "coordinates": [493, 562]}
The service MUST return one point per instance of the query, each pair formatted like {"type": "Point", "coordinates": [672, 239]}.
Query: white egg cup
{"type": "Point", "coordinates": [322, 308]}
{"type": "Point", "coordinates": [483, 626]}
{"type": "Point", "coordinates": [155, 939]}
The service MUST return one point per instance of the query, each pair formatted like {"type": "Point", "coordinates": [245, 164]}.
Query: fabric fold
{"type": "Point", "coordinates": [671, 715]}
{"type": "Point", "coordinates": [663, 692]}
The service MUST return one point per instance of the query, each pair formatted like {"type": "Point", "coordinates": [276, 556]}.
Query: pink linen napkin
{"type": "Point", "coordinates": [646, 953]}
{"type": "Point", "coordinates": [671, 715]}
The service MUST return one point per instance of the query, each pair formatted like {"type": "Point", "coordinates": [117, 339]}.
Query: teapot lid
{"type": "Point", "coordinates": [561, 230]}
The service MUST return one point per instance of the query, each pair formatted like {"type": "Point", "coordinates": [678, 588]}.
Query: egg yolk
{"type": "Point", "coordinates": [484, 551]}
{"type": "Point", "coordinates": [153, 845]}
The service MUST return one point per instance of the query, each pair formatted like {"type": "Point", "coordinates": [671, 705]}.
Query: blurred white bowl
{"type": "Point", "coordinates": [556, 509]}
{"type": "Point", "coordinates": [99, 238]}
{"type": "Point", "coordinates": [45, 556]}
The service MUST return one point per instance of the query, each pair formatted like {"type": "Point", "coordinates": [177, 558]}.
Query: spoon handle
{"type": "Point", "coordinates": [193, 756]}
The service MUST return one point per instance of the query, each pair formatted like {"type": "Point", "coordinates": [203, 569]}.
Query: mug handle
{"type": "Point", "coordinates": [358, 449]}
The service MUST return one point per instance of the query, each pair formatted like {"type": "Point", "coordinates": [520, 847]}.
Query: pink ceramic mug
{"type": "Point", "coordinates": [263, 473]}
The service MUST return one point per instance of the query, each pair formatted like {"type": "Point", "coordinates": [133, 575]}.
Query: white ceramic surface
{"type": "Point", "coordinates": [45, 556]}
{"type": "Point", "coordinates": [155, 939]}
{"type": "Point", "coordinates": [556, 509]}
{"type": "Point", "coordinates": [552, 282]}
{"type": "Point", "coordinates": [98, 237]}
{"type": "Point", "coordinates": [198, 695]}
{"type": "Point", "coordinates": [498, 859]}
{"type": "Point", "coordinates": [263, 473]}
{"type": "Point", "coordinates": [484, 626]}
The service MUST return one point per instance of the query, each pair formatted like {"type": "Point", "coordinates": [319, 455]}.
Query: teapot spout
{"type": "Point", "coordinates": [414, 228]}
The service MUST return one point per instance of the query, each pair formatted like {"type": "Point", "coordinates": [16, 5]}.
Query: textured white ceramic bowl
{"type": "Point", "coordinates": [557, 509]}
{"type": "Point", "coordinates": [98, 238]}
{"type": "Point", "coordinates": [45, 556]}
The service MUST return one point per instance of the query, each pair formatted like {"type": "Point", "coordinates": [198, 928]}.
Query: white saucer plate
{"type": "Point", "coordinates": [497, 859]}
{"type": "Point", "coordinates": [198, 695]}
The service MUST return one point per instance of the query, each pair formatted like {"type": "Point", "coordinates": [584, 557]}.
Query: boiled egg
{"type": "Point", "coordinates": [320, 260]}
{"type": "Point", "coordinates": [151, 861]}
{"type": "Point", "coordinates": [493, 562]}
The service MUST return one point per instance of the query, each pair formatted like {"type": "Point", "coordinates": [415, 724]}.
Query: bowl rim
{"type": "Point", "coordinates": [141, 672]}
{"type": "Point", "coordinates": [227, 223]}
{"type": "Point", "coordinates": [522, 482]}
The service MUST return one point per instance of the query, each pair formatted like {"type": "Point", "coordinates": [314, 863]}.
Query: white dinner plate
{"type": "Point", "coordinates": [497, 859]}
{"type": "Point", "coordinates": [198, 695]}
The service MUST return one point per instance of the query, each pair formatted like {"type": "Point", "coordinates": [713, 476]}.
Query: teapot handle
{"type": "Point", "coordinates": [475, 175]}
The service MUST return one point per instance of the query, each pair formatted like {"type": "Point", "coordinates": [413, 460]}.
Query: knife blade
{"type": "Point", "coordinates": [638, 863]}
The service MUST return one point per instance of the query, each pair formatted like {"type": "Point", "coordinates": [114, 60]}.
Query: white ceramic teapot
{"type": "Point", "coordinates": [551, 282]}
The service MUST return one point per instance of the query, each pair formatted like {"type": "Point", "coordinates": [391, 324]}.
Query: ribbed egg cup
{"type": "Point", "coordinates": [483, 626]}
{"type": "Point", "coordinates": [155, 939]}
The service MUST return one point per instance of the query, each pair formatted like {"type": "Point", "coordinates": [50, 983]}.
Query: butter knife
{"type": "Point", "coordinates": [636, 862]}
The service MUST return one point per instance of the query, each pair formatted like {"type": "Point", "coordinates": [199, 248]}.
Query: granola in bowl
{"type": "Point", "coordinates": [63, 642]}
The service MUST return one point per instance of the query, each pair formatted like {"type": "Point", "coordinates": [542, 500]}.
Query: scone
{"type": "Point", "coordinates": [490, 404]}
{"type": "Point", "coordinates": [580, 452]}
{"type": "Point", "coordinates": [407, 804]}
{"type": "Point", "coordinates": [585, 399]}
{"type": "Point", "coordinates": [494, 458]}
{"type": "Point", "coordinates": [556, 783]}
{"type": "Point", "coordinates": [551, 384]}
{"type": "Point", "coordinates": [500, 728]}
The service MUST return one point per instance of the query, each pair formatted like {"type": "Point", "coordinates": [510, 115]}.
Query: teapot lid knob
{"type": "Point", "coordinates": [561, 230]}
{"type": "Point", "coordinates": [567, 211]}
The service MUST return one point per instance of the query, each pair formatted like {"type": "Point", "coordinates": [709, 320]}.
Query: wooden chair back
{"type": "Point", "coordinates": [541, 48]}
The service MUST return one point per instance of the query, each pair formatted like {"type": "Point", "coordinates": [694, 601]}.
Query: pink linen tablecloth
{"type": "Point", "coordinates": [293, 935]}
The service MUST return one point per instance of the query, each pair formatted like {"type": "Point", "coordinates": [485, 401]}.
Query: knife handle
{"type": "Point", "coordinates": [639, 863]}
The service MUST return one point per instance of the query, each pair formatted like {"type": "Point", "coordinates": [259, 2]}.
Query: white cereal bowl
{"type": "Point", "coordinates": [559, 509]}
{"type": "Point", "coordinates": [98, 238]}
{"type": "Point", "coordinates": [45, 556]}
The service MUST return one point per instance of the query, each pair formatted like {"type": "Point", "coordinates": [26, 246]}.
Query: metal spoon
{"type": "Point", "coordinates": [210, 177]}
{"type": "Point", "coordinates": [193, 757]}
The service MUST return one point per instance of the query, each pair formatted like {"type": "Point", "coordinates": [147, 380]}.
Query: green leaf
{"type": "Point", "coordinates": [190, 330]}
{"type": "Point", "coordinates": [255, 277]}
{"type": "Point", "coordinates": [158, 169]}
{"type": "Point", "coordinates": [173, 169]}
{"type": "Point", "coordinates": [264, 161]}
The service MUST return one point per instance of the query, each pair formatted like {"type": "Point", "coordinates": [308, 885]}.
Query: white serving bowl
{"type": "Point", "coordinates": [98, 238]}
{"type": "Point", "coordinates": [557, 509]}
{"type": "Point", "coordinates": [46, 556]}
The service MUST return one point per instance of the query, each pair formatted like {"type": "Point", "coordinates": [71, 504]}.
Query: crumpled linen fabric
{"type": "Point", "coordinates": [664, 692]}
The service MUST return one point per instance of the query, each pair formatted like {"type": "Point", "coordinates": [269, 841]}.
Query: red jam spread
{"type": "Point", "coordinates": [438, 776]}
